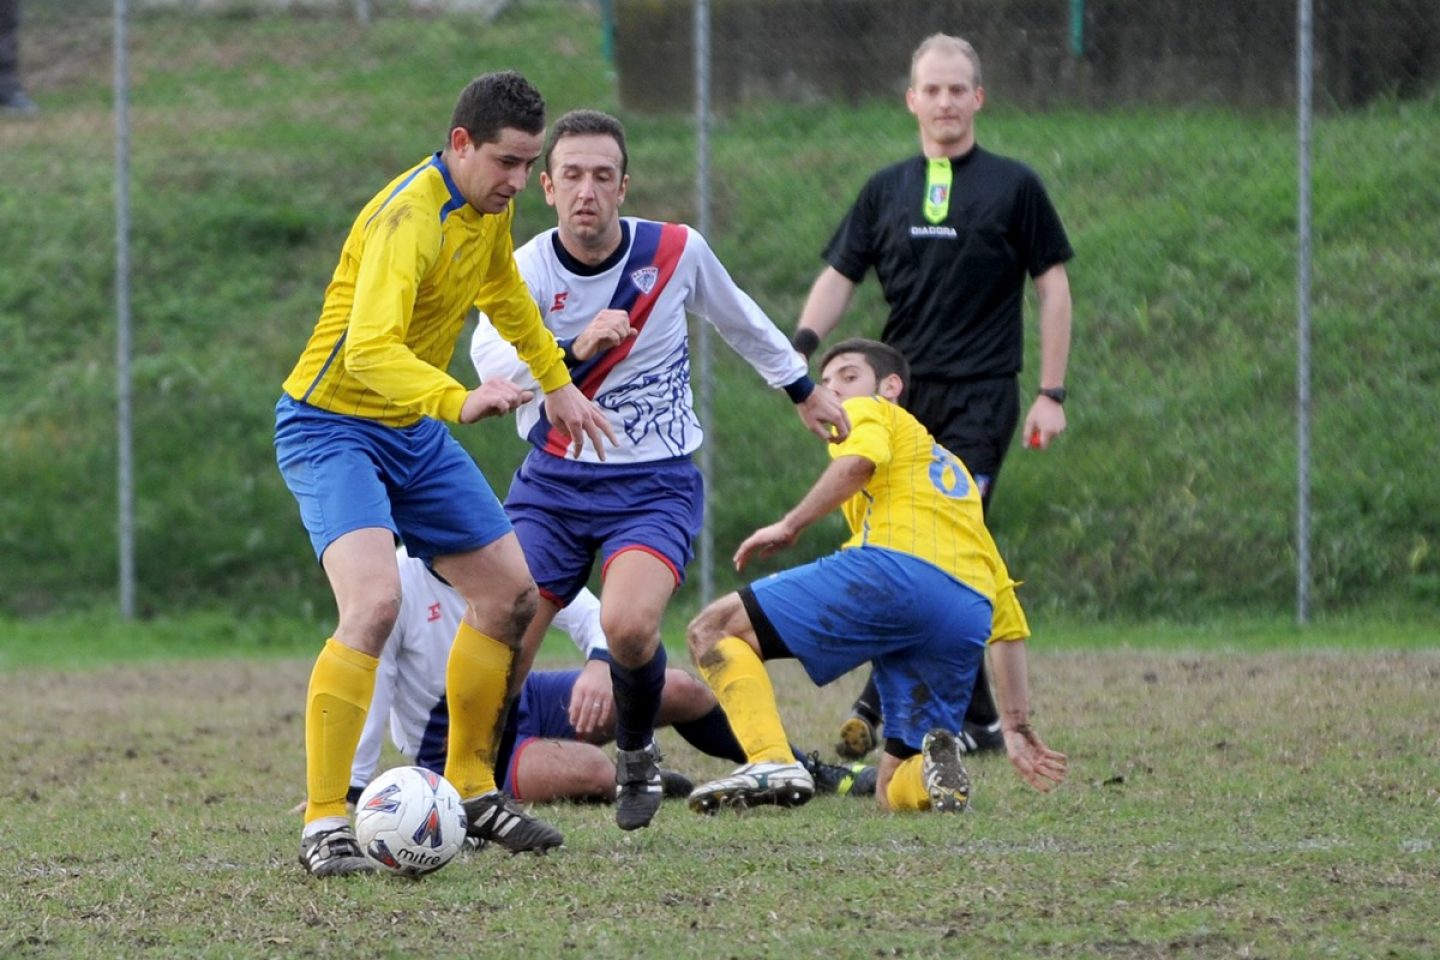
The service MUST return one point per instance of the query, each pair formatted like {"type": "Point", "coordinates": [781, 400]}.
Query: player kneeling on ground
{"type": "Point", "coordinates": [918, 589]}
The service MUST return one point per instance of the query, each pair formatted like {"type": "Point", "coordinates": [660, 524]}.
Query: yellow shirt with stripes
{"type": "Point", "coordinates": [416, 259]}
{"type": "Point", "coordinates": [922, 501]}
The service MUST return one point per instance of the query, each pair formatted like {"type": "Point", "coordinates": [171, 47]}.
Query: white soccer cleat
{"type": "Point", "coordinates": [753, 785]}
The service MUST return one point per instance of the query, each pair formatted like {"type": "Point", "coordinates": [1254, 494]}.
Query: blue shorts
{"type": "Point", "coordinates": [350, 473]}
{"type": "Point", "coordinates": [542, 711]}
{"type": "Point", "coordinates": [566, 512]}
{"type": "Point", "coordinates": [924, 631]}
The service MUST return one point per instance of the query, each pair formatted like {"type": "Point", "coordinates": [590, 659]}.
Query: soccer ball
{"type": "Point", "coordinates": [410, 821]}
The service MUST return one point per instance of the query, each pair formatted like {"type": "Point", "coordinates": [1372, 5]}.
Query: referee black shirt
{"type": "Point", "coordinates": [955, 288]}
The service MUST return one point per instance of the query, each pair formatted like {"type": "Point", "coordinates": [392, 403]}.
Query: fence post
{"type": "Point", "coordinates": [1305, 71]}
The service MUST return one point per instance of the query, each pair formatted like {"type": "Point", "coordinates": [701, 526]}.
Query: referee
{"type": "Point", "coordinates": [952, 234]}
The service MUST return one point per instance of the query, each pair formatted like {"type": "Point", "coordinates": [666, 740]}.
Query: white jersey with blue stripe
{"type": "Point", "coordinates": [660, 272]}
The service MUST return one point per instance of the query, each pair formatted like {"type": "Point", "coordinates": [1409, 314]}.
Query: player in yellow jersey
{"type": "Point", "coordinates": [918, 590]}
{"type": "Point", "coordinates": [361, 440]}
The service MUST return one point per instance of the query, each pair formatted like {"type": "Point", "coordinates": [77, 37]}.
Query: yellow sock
{"type": "Point", "coordinates": [738, 677]}
{"type": "Point", "coordinates": [907, 788]}
{"type": "Point", "coordinates": [477, 684]}
{"type": "Point", "coordinates": [341, 685]}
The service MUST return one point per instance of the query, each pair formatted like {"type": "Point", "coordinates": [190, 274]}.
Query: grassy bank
{"type": "Point", "coordinates": [255, 141]}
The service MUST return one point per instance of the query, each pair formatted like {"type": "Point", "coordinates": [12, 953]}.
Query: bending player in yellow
{"type": "Point", "coordinates": [918, 589]}
{"type": "Point", "coordinates": [362, 442]}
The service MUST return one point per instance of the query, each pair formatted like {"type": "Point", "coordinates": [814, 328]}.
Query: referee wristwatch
{"type": "Point", "coordinates": [1054, 393]}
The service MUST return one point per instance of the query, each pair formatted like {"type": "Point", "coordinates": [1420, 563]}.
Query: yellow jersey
{"type": "Point", "coordinates": [417, 258]}
{"type": "Point", "coordinates": [922, 501]}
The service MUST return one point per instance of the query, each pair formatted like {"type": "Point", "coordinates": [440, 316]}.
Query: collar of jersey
{"type": "Point", "coordinates": [964, 158]}
{"type": "Point", "coordinates": [584, 269]}
{"type": "Point", "coordinates": [457, 201]}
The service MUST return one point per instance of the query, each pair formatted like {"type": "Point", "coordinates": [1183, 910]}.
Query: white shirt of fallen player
{"type": "Point", "coordinates": [646, 395]}
{"type": "Point", "coordinates": [410, 681]}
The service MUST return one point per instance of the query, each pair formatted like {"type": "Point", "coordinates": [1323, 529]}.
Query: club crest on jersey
{"type": "Point", "coordinates": [939, 193]}
{"type": "Point", "coordinates": [645, 278]}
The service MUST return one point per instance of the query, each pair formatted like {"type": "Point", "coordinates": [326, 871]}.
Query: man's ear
{"type": "Point", "coordinates": [891, 387]}
{"type": "Point", "coordinates": [547, 186]}
{"type": "Point", "coordinates": [459, 139]}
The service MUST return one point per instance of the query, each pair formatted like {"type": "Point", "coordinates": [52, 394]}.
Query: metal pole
{"type": "Point", "coordinates": [1077, 28]}
{"type": "Point", "coordinates": [125, 490]}
{"type": "Point", "coordinates": [362, 12]}
{"type": "Point", "coordinates": [1302, 372]}
{"type": "Point", "coordinates": [702, 345]}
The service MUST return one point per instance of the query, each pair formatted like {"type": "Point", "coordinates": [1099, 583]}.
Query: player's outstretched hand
{"type": "Point", "coordinates": [1044, 422]}
{"type": "Point", "coordinates": [493, 398]}
{"type": "Point", "coordinates": [610, 328]}
{"type": "Point", "coordinates": [577, 416]}
{"type": "Point", "coordinates": [592, 703]}
{"type": "Point", "coordinates": [1036, 763]}
{"type": "Point", "coordinates": [824, 415]}
{"type": "Point", "coordinates": [764, 542]}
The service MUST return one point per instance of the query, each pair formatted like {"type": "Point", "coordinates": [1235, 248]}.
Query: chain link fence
{"type": "Point", "coordinates": [1166, 133]}
{"type": "Point", "coordinates": [1208, 214]}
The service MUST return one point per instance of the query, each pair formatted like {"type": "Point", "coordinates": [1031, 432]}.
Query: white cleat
{"type": "Point", "coordinates": [754, 785]}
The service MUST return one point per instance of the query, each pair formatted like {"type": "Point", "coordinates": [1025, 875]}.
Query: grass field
{"type": "Point", "coordinates": [1222, 803]}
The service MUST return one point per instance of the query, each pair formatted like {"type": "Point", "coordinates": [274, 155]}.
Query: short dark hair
{"type": "Point", "coordinates": [582, 123]}
{"type": "Point", "coordinates": [882, 358]}
{"type": "Point", "coordinates": [494, 101]}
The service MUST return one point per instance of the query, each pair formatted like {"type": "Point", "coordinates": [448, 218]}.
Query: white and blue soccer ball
{"type": "Point", "coordinates": [410, 821]}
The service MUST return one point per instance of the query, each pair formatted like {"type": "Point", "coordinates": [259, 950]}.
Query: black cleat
{"type": "Point", "coordinates": [333, 853]}
{"type": "Point", "coordinates": [857, 737]}
{"type": "Point", "coordinates": [981, 738]}
{"type": "Point", "coordinates": [494, 818]}
{"type": "Point", "coordinates": [675, 784]}
{"type": "Point", "coordinates": [639, 787]}
{"type": "Point", "coordinates": [843, 779]}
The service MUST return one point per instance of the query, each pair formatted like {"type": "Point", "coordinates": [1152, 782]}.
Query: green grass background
{"type": "Point", "coordinates": [255, 139]}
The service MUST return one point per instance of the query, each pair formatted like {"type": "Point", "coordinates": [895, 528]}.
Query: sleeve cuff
{"type": "Point", "coordinates": [599, 653]}
{"type": "Point", "coordinates": [799, 391]}
{"type": "Point", "coordinates": [571, 361]}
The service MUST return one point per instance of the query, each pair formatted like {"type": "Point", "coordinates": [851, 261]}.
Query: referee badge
{"type": "Point", "coordinates": [937, 189]}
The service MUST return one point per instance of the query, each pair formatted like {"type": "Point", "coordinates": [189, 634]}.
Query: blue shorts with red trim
{"type": "Point", "coordinates": [924, 631]}
{"type": "Point", "coordinates": [566, 512]}
{"type": "Point", "coordinates": [351, 473]}
{"type": "Point", "coordinates": [542, 711]}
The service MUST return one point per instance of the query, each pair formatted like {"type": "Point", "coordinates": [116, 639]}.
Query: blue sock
{"type": "Point", "coordinates": [637, 700]}
{"type": "Point", "coordinates": [711, 734]}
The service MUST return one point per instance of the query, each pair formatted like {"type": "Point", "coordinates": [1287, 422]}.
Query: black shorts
{"type": "Point", "coordinates": [973, 419]}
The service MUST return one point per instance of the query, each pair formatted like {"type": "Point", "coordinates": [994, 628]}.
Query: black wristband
{"type": "Point", "coordinates": [571, 361]}
{"type": "Point", "coordinates": [805, 340]}
{"type": "Point", "coordinates": [800, 390]}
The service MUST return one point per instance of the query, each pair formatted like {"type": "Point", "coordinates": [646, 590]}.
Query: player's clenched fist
{"type": "Point", "coordinates": [610, 328]}
{"type": "Point", "coordinates": [493, 398]}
